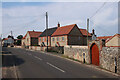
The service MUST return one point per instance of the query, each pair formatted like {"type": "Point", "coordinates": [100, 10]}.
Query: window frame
{"type": "Point", "coordinates": [63, 39]}
{"type": "Point", "coordinates": [53, 39]}
{"type": "Point", "coordinates": [57, 38]}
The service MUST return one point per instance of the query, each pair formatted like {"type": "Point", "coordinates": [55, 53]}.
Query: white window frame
{"type": "Point", "coordinates": [63, 38]}
{"type": "Point", "coordinates": [43, 39]}
{"type": "Point", "coordinates": [53, 39]}
{"type": "Point", "coordinates": [40, 39]}
{"type": "Point", "coordinates": [57, 38]}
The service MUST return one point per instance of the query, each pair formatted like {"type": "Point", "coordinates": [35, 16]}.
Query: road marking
{"type": "Point", "coordinates": [55, 67]}
{"type": "Point", "coordinates": [37, 57]}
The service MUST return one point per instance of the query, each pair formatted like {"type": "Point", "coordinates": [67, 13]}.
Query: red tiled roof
{"type": "Point", "coordinates": [107, 38]}
{"type": "Point", "coordinates": [84, 32]}
{"type": "Point", "coordinates": [104, 37]}
{"type": "Point", "coordinates": [112, 37]}
{"type": "Point", "coordinates": [33, 34]}
{"type": "Point", "coordinates": [24, 36]}
{"type": "Point", "coordinates": [5, 39]}
{"type": "Point", "coordinates": [63, 30]}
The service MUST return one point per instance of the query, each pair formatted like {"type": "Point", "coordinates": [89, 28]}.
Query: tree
{"type": "Point", "coordinates": [19, 39]}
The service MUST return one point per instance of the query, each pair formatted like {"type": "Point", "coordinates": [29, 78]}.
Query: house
{"type": "Point", "coordinates": [8, 41]}
{"type": "Point", "coordinates": [104, 37]}
{"type": "Point", "coordinates": [5, 42]}
{"type": "Point", "coordinates": [31, 38]}
{"type": "Point", "coordinates": [43, 38]}
{"type": "Point", "coordinates": [69, 35]}
{"type": "Point", "coordinates": [114, 41]}
{"type": "Point", "coordinates": [111, 40]}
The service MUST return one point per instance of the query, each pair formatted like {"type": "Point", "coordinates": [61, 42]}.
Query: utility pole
{"type": "Point", "coordinates": [1, 40]}
{"type": "Point", "coordinates": [11, 34]}
{"type": "Point", "coordinates": [87, 29]}
{"type": "Point", "coordinates": [47, 29]}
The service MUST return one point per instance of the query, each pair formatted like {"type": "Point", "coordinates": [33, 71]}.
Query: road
{"type": "Point", "coordinates": [33, 64]}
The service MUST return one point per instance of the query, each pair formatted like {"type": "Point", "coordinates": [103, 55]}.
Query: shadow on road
{"type": "Point", "coordinates": [8, 59]}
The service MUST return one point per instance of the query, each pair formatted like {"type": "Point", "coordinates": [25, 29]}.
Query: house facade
{"type": "Point", "coordinates": [114, 41]}
{"type": "Point", "coordinates": [64, 35]}
{"type": "Point", "coordinates": [43, 38]}
{"type": "Point", "coordinates": [31, 38]}
{"type": "Point", "coordinates": [8, 41]}
{"type": "Point", "coordinates": [69, 35]}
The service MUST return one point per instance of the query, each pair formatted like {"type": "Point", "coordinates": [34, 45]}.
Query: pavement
{"type": "Point", "coordinates": [34, 64]}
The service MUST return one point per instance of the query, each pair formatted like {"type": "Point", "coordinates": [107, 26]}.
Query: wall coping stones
{"type": "Point", "coordinates": [70, 46]}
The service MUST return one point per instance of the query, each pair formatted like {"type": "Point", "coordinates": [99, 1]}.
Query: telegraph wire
{"type": "Point", "coordinates": [98, 10]}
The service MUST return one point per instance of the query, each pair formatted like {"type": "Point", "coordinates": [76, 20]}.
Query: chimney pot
{"type": "Point", "coordinates": [93, 31]}
{"type": "Point", "coordinates": [58, 24]}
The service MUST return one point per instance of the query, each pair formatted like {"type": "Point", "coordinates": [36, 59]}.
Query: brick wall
{"type": "Point", "coordinates": [44, 39]}
{"type": "Point", "coordinates": [60, 41]}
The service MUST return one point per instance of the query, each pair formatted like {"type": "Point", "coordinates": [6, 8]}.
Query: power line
{"type": "Point", "coordinates": [98, 10]}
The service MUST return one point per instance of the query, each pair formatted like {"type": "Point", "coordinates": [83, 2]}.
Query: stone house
{"type": "Point", "coordinates": [114, 41]}
{"type": "Point", "coordinates": [31, 38]}
{"type": "Point", "coordinates": [69, 35]}
{"type": "Point", "coordinates": [111, 40]}
{"type": "Point", "coordinates": [43, 38]}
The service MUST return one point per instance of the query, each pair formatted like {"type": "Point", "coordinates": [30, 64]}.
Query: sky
{"type": "Point", "coordinates": [21, 17]}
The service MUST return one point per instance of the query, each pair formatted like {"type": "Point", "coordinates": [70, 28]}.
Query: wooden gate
{"type": "Point", "coordinates": [95, 54]}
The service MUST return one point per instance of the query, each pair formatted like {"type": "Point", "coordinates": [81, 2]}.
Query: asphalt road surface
{"type": "Point", "coordinates": [32, 64]}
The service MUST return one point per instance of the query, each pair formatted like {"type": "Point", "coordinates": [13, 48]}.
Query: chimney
{"type": "Point", "coordinates": [58, 24]}
{"type": "Point", "coordinates": [93, 31]}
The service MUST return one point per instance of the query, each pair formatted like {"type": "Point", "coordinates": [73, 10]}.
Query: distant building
{"type": "Point", "coordinates": [8, 41]}
{"type": "Point", "coordinates": [31, 38]}
{"type": "Point", "coordinates": [111, 40]}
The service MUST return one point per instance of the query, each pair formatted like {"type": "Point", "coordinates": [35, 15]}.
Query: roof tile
{"type": "Point", "coordinates": [84, 32]}
{"type": "Point", "coordinates": [63, 30]}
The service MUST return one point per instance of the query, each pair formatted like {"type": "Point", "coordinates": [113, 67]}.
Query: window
{"type": "Point", "coordinates": [27, 39]}
{"type": "Point", "coordinates": [57, 38]}
{"type": "Point", "coordinates": [53, 39]}
{"type": "Point", "coordinates": [40, 39]}
{"type": "Point", "coordinates": [43, 39]}
{"type": "Point", "coordinates": [62, 38]}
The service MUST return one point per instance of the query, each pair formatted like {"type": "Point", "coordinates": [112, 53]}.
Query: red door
{"type": "Point", "coordinates": [95, 55]}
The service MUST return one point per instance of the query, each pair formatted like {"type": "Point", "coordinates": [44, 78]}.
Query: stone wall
{"type": "Point", "coordinates": [18, 46]}
{"type": "Point", "coordinates": [107, 58]}
{"type": "Point", "coordinates": [37, 48]}
{"type": "Point", "coordinates": [76, 52]}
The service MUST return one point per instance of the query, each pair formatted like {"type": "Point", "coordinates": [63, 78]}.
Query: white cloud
{"type": "Point", "coordinates": [107, 18]}
{"type": "Point", "coordinates": [60, 0]}
{"type": "Point", "coordinates": [65, 13]}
